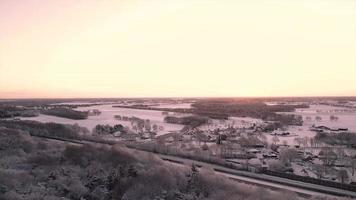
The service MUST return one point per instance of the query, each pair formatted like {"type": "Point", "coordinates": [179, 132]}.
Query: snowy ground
{"type": "Point", "coordinates": [347, 119]}
{"type": "Point", "coordinates": [347, 116]}
{"type": "Point", "coordinates": [236, 122]}
{"type": "Point", "coordinates": [107, 117]}
{"type": "Point", "coordinates": [175, 105]}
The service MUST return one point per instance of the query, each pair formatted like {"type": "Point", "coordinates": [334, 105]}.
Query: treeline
{"type": "Point", "coordinates": [66, 113]}
{"type": "Point", "coordinates": [249, 108]}
{"type": "Point", "coordinates": [193, 121]}
{"type": "Point", "coordinates": [342, 138]}
{"type": "Point", "coordinates": [14, 111]}
{"type": "Point", "coordinates": [46, 129]}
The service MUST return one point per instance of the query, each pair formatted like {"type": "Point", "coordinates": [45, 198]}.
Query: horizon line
{"type": "Point", "coordinates": [177, 97]}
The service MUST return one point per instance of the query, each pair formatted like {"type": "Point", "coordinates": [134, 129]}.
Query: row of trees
{"type": "Point", "coordinates": [46, 129]}
{"type": "Point", "coordinates": [318, 118]}
{"type": "Point", "coordinates": [140, 125]}
{"type": "Point", "coordinates": [66, 113]}
{"type": "Point", "coordinates": [243, 108]}
{"type": "Point", "coordinates": [342, 138]}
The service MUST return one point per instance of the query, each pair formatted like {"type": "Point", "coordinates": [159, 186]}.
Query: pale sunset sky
{"type": "Point", "coordinates": [177, 48]}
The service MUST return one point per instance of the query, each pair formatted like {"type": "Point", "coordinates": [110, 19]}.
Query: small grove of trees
{"type": "Point", "coordinates": [14, 111]}
{"type": "Point", "coordinates": [140, 125]}
{"type": "Point", "coordinates": [318, 118]}
{"type": "Point", "coordinates": [319, 170]}
{"type": "Point", "coordinates": [328, 156]}
{"type": "Point", "coordinates": [107, 129]}
{"type": "Point", "coordinates": [66, 113]}
{"type": "Point", "coordinates": [342, 175]}
{"type": "Point", "coordinates": [195, 185]}
{"type": "Point", "coordinates": [193, 121]}
{"type": "Point", "coordinates": [284, 119]}
{"type": "Point", "coordinates": [275, 140]}
{"type": "Point", "coordinates": [250, 141]}
{"type": "Point", "coordinates": [333, 118]}
{"type": "Point", "coordinates": [288, 155]}
{"type": "Point", "coordinates": [11, 139]}
{"type": "Point", "coordinates": [277, 165]}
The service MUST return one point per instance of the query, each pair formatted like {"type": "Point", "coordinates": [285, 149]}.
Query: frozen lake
{"type": "Point", "coordinates": [346, 116]}
{"type": "Point", "coordinates": [179, 105]}
{"type": "Point", "coordinates": [346, 119]}
{"type": "Point", "coordinates": [107, 117]}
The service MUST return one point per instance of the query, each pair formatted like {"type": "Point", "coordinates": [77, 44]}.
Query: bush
{"type": "Point", "coordinates": [11, 139]}
{"type": "Point", "coordinates": [277, 165]}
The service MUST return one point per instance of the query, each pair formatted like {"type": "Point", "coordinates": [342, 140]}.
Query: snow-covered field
{"type": "Point", "coordinates": [346, 116]}
{"type": "Point", "coordinates": [176, 105]}
{"type": "Point", "coordinates": [346, 119]}
{"type": "Point", "coordinates": [295, 131]}
{"type": "Point", "coordinates": [107, 117]}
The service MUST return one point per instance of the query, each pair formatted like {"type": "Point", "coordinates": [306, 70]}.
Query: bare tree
{"type": "Point", "coordinates": [328, 156]}
{"type": "Point", "coordinates": [298, 140]}
{"type": "Point", "coordinates": [155, 127]}
{"type": "Point", "coordinates": [342, 175]}
{"type": "Point", "coordinates": [318, 118]}
{"type": "Point", "coordinates": [353, 165]}
{"type": "Point", "coordinates": [340, 154]}
{"type": "Point", "coordinates": [333, 118]}
{"type": "Point", "coordinates": [263, 138]}
{"type": "Point", "coordinates": [312, 142]}
{"type": "Point", "coordinates": [289, 155]}
{"type": "Point", "coordinates": [305, 141]}
{"type": "Point", "coordinates": [275, 139]}
{"type": "Point", "coordinates": [319, 170]}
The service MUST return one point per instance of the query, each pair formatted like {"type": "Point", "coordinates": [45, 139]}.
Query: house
{"type": "Point", "coordinates": [117, 133]}
{"type": "Point", "coordinates": [325, 128]}
{"type": "Point", "coordinates": [170, 137]}
{"type": "Point", "coordinates": [280, 133]}
{"type": "Point", "coordinates": [254, 151]}
{"type": "Point", "coordinates": [270, 155]}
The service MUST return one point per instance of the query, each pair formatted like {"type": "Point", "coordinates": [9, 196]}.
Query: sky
{"type": "Point", "coordinates": [177, 48]}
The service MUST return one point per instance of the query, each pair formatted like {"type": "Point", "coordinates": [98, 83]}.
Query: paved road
{"type": "Point", "coordinates": [252, 178]}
